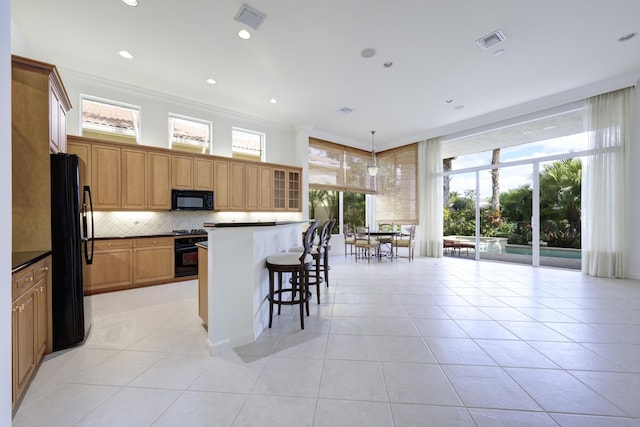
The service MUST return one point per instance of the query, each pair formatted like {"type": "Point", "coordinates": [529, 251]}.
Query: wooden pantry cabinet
{"type": "Point", "coordinates": [30, 321]}
{"type": "Point", "coordinates": [39, 105]}
{"type": "Point", "coordinates": [129, 263]}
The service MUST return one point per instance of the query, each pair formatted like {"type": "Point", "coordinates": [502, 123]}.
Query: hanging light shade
{"type": "Point", "coordinates": [373, 167]}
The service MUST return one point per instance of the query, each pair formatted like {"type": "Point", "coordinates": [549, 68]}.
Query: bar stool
{"type": "Point", "coordinates": [325, 253]}
{"type": "Point", "coordinates": [318, 249]}
{"type": "Point", "coordinates": [298, 264]}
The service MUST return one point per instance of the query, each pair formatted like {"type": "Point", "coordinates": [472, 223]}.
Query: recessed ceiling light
{"type": "Point", "coordinates": [273, 101]}
{"type": "Point", "coordinates": [499, 52]}
{"type": "Point", "coordinates": [125, 54]}
{"type": "Point", "coordinates": [244, 34]}
{"type": "Point", "coordinates": [345, 110]}
{"type": "Point", "coordinates": [368, 52]}
{"type": "Point", "coordinates": [627, 37]}
{"type": "Point", "coordinates": [131, 3]}
{"type": "Point", "coordinates": [211, 81]}
{"type": "Point", "coordinates": [388, 64]}
{"type": "Point", "coordinates": [449, 101]}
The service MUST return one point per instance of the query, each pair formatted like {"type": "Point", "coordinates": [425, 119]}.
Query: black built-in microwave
{"type": "Point", "coordinates": [191, 200]}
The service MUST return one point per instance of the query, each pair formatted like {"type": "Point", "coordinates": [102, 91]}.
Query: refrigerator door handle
{"type": "Point", "coordinates": [86, 239]}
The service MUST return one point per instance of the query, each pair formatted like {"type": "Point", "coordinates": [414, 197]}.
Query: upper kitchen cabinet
{"type": "Point", "coordinates": [202, 174]}
{"type": "Point", "coordinates": [146, 182]}
{"type": "Point", "coordinates": [159, 180]}
{"type": "Point", "coordinates": [106, 176]}
{"type": "Point", "coordinates": [286, 189]}
{"type": "Point", "coordinates": [229, 179]}
{"type": "Point", "coordinates": [182, 171]}
{"type": "Point", "coordinates": [191, 172]}
{"type": "Point", "coordinates": [82, 149]}
{"type": "Point", "coordinates": [38, 110]}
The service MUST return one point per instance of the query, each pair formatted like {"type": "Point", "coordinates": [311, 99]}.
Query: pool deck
{"type": "Point", "coordinates": [573, 264]}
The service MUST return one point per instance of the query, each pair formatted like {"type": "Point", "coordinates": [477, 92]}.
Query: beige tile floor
{"type": "Point", "coordinates": [433, 342]}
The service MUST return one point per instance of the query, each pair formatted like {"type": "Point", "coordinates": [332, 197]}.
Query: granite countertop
{"type": "Point", "coordinates": [141, 236]}
{"type": "Point", "coordinates": [21, 260]}
{"type": "Point", "coordinates": [250, 224]}
{"type": "Point", "coordinates": [203, 245]}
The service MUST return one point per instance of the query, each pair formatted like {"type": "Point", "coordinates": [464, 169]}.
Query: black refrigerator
{"type": "Point", "coordinates": [71, 252]}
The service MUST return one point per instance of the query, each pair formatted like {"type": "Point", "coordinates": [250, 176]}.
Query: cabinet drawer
{"type": "Point", "coordinates": [105, 245]}
{"type": "Point", "coordinates": [41, 269]}
{"type": "Point", "coordinates": [150, 242]}
{"type": "Point", "coordinates": [22, 280]}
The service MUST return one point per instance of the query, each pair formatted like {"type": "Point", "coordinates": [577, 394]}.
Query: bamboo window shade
{"type": "Point", "coordinates": [340, 168]}
{"type": "Point", "coordinates": [397, 197]}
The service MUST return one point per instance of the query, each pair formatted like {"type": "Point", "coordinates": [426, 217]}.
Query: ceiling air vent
{"type": "Point", "coordinates": [250, 16]}
{"type": "Point", "coordinates": [491, 40]}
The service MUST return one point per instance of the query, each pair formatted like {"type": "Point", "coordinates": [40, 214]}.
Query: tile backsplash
{"type": "Point", "coordinates": [125, 223]}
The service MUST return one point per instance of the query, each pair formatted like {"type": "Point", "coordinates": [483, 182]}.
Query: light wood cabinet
{"type": "Point", "coordinates": [38, 126]}
{"type": "Point", "coordinates": [134, 179]}
{"type": "Point", "coordinates": [266, 188]}
{"type": "Point", "coordinates": [58, 106]}
{"type": "Point", "coordinates": [31, 323]}
{"type": "Point", "coordinates": [141, 178]}
{"type": "Point", "coordinates": [293, 190]}
{"type": "Point", "coordinates": [146, 180]}
{"type": "Point", "coordinates": [24, 354]}
{"type": "Point", "coordinates": [153, 260]}
{"type": "Point", "coordinates": [106, 177]}
{"type": "Point", "coordinates": [203, 285]}
{"type": "Point", "coordinates": [252, 187]}
{"type": "Point", "coordinates": [83, 151]}
{"type": "Point", "coordinates": [111, 268]}
{"type": "Point", "coordinates": [222, 199]}
{"type": "Point", "coordinates": [131, 262]}
{"type": "Point", "coordinates": [236, 186]}
{"type": "Point", "coordinates": [159, 181]}
{"type": "Point", "coordinates": [286, 189]}
{"type": "Point", "coordinates": [182, 172]}
{"type": "Point", "coordinates": [203, 174]}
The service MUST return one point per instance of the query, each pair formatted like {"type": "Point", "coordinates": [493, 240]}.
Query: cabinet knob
{"type": "Point", "coordinates": [44, 268]}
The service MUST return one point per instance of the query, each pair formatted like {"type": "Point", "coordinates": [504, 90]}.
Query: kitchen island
{"type": "Point", "coordinates": [238, 281]}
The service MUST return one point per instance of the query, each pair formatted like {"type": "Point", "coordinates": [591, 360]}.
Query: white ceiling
{"type": "Point", "coordinates": [307, 55]}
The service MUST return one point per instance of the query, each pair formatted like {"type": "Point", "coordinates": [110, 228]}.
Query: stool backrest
{"type": "Point", "coordinates": [325, 231]}
{"type": "Point", "coordinates": [307, 241]}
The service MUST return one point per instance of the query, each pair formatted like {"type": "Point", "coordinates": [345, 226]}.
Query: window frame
{"type": "Point", "coordinates": [137, 124]}
{"type": "Point", "coordinates": [261, 135]}
{"type": "Point", "coordinates": [207, 149]}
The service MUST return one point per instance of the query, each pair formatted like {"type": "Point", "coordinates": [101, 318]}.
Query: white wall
{"type": "Point", "coordinates": [634, 194]}
{"type": "Point", "coordinates": [155, 108]}
{"type": "Point", "coordinates": [5, 212]}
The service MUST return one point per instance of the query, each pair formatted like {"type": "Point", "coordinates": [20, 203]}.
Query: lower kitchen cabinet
{"type": "Point", "coordinates": [111, 268]}
{"type": "Point", "coordinates": [153, 260]}
{"type": "Point", "coordinates": [127, 263]}
{"type": "Point", "coordinates": [203, 285]}
{"type": "Point", "coordinates": [30, 322]}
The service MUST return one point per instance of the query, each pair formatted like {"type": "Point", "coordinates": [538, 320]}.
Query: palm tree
{"type": "Point", "coordinates": [560, 190]}
{"type": "Point", "coordinates": [316, 198]}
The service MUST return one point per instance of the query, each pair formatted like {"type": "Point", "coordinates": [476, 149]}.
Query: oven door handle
{"type": "Point", "coordinates": [184, 249]}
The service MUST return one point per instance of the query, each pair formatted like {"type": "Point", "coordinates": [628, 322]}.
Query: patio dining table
{"type": "Point", "coordinates": [388, 253]}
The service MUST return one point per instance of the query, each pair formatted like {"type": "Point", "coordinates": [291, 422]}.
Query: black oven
{"type": "Point", "coordinates": [186, 255]}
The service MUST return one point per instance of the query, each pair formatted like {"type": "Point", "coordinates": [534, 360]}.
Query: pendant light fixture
{"type": "Point", "coordinates": [373, 167]}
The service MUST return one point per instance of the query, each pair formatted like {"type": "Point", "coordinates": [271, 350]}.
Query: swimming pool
{"type": "Point", "coordinates": [550, 252]}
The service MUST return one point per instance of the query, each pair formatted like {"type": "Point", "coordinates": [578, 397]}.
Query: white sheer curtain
{"type": "Point", "coordinates": [430, 197]}
{"type": "Point", "coordinates": [605, 185]}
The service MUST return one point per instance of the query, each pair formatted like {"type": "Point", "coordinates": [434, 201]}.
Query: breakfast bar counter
{"type": "Point", "coordinates": [238, 281]}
